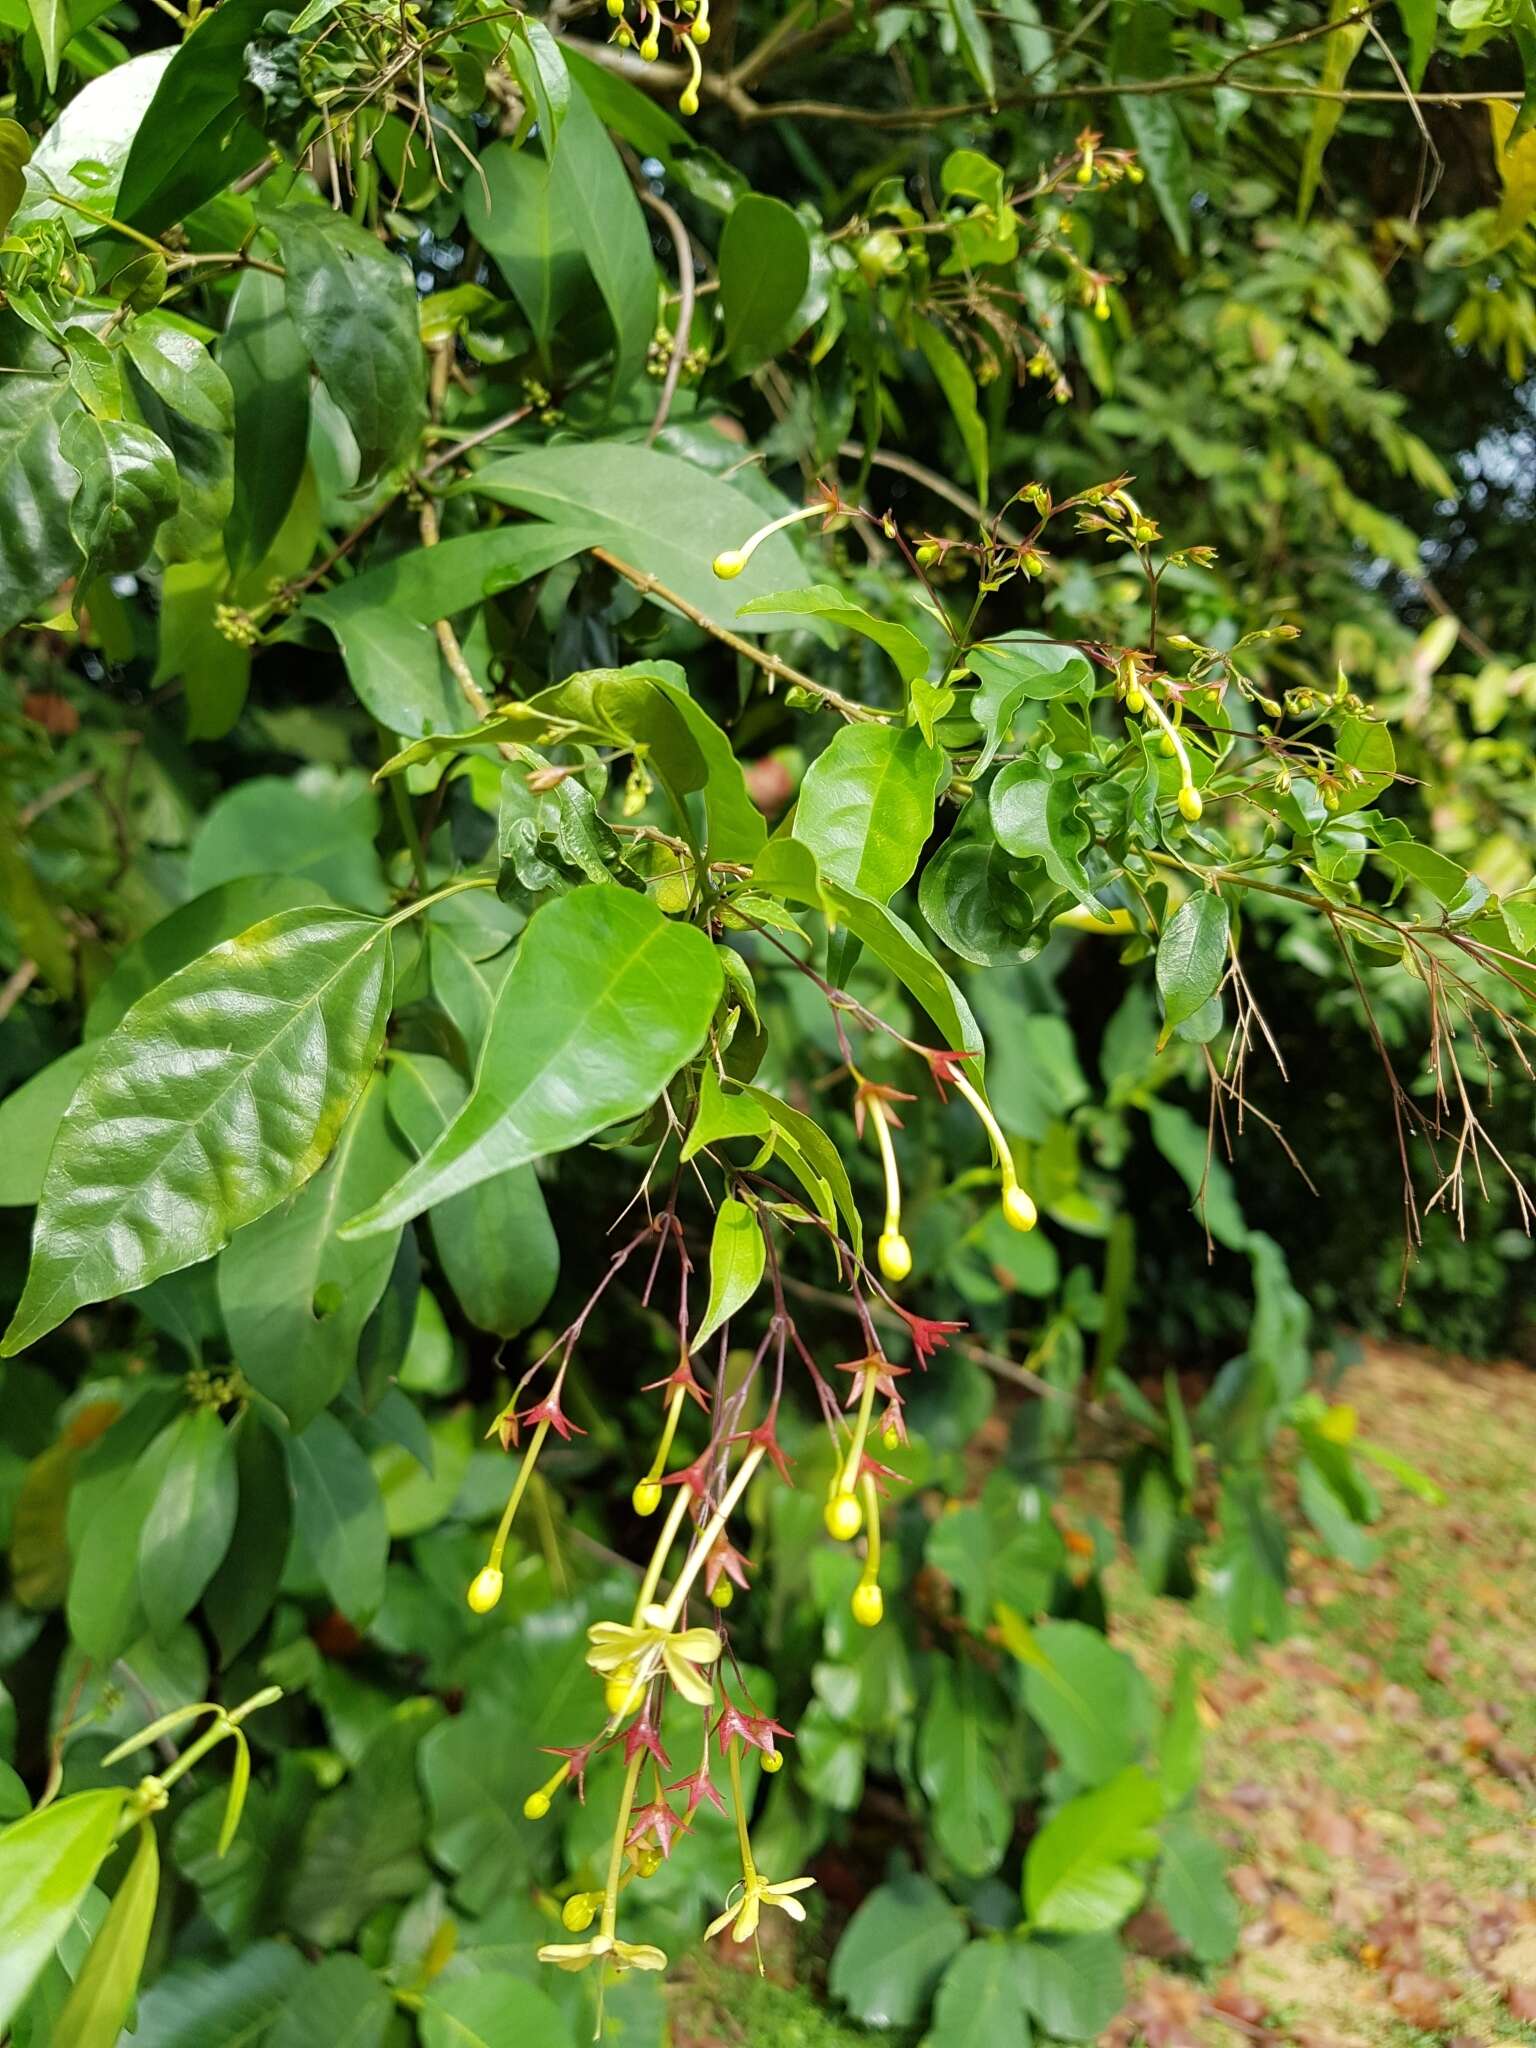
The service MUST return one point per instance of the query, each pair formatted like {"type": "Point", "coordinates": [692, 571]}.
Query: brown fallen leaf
{"type": "Point", "coordinates": [1298, 1921]}
{"type": "Point", "coordinates": [1479, 1731]}
{"type": "Point", "coordinates": [1326, 1828]}
{"type": "Point", "coordinates": [1419, 1999]}
{"type": "Point", "coordinates": [1440, 1661]}
{"type": "Point", "coordinates": [1521, 2000]}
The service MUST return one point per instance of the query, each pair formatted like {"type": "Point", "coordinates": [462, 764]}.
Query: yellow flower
{"type": "Point", "coordinates": [679, 1652]}
{"type": "Point", "coordinates": [742, 1918]}
{"type": "Point", "coordinates": [624, 1955]}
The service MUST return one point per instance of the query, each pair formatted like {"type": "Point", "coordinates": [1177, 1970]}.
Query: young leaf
{"type": "Point", "coordinates": [295, 1296]}
{"type": "Point", "coordinates": [1192, 956]}
{"type": "Point", "coordinates": [99, 2003]}
{"type": "Point", "coordinates": [736, 1259]}
{"type": "Point", "coordinates": [606, 1000]}
{"type": "Point", "coordinates": [187, 1529]}
{"type": "Point", "coordinates": [1076, 1879]}
{"type": "Point", "coordinates": [270, 1035]}
{"type": "Point", "coordinates": [764, 265]}
{"type": "Point", "coordinates": [354, 305]}
{"type": "Point", "coordinates": [1035, 813]}
{"type": "Point", "coordinates": [47, 1863]}
{"type": "Point", "coordinates": [866, 806]}
{"type": "Point", "coordinates": [339, 1513]}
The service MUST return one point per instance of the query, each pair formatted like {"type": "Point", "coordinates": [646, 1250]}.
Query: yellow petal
{"type": "Point", "coordinates": [639, 1955]}
{"type": "Point", "coordinates": [696, 1690]}
{"type": "Point", "coordinates": [698, 1645]}
{"type": "Point", "coordinates": [747, 1918]}
{"type": "Point", "coordinates": [721, 1920]}
{"type": "Point", "coordinates": [792, 1907]}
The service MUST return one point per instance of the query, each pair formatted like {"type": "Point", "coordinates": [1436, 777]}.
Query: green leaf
{"type": "Point", "coordinates": [383, 620]}
{"type": "Point", "coordinates": [493, 2010]}
{"type": "Point", "coordinates": [973, 897]}
{"type": "Point", "coordinates": [979, 2004]}
{"type": "Point", "coordinates": [591, 194]}
{"type": "Point", "coordinates": [1035, 813]}
{"type": "Point", "coordinates": [866, 806]}
{"type": "Point", "coordinates": [520, 220]}
{"type": "Point", "coordinates": [821, 601]}
{"type": "Point", "coordinates": [113, 1495]}
{"type": "Point", "coordinates": [954, 379]}
{"type": "Point", "coordinates": [606, 1000]}
{"type": "Point", "coordinates": [264, 359]}
{"type": "Point", "coordinates": [1192, 1890]}
{"type": "Point", "coordinates": [152, 1168]}
{"type": "Point", "coordinates": [295, 1297]}
{"type": "Point", "coordinates": [194, 138]}
{"type": "Point", "coordinates": [894, 1950]}
{"type": "Point", "coordinates": [719, 1116]}
{"type": "Point", "coordinates": [1181, 1744]}
{"type": "Point", "coordinates": [37, 485]}
{"type": "Point", "coordinates": [958, 1739]}
{"type": "Point", "coordinates": [228, 2005]}
{"type": "Point", "coordinates": [99, 2004]}
{"type": "Point", "coordinates": [1340, 49]}
{"type": "Point", "coordinates": [1012, 673]}
{"type": "Point", "coordinates": [15, 152]}
{"type": "Point", "coordinates": [319, 827]}
{"type": "Point", "coordinates": [1093, 1703]}
{"type": "Point", "coordinates": [494, 1242]}
{"type": "Point", "coordinates": [1192, 956]}
{"type": "Point", "coordinates": [339, 1514]}
{"type": "Point", "coordinates": [654, 510]}
{"type": "Point", "coordinates": [128, 486]}
{"type": "Point", "coordinates": [816, 1161]}
{"type": "Point", "coordinates": [47, 1864]}
{"type": "Point", "coordinates": [354, 304]}
{"type": "Point", "coordinates": [82, 155]}
{"type": "Point", "coordinates": [546, 84]}
{"type": "Point", "coordinates": [183, 396]}
{"type": "Point", "coordinates": [1073, 1984]}
{"type": "Point", "coordinates": [240, 1595]}
{"type": "Point", "coordinates": [187, 1530]}
{"type": "Point", "coordinates": [1075, 1875]}
{"type": "Point", "coordinates": [737, 1256]}
{"type": "Point", "coordinates": [1142, 48]}
{"type": "Point", "coordinates": [976, 53]}
{"type": "Point", "coordinates": [1009, 1557]}
{"type": "Point", "coordinates": [764, 267]}
{"type": "Point", "coordinates": [1418, 18]}
{"type": "Point", "coordinates": [50, 20]}
{"type": "Point", "coordinates": [29, 1118]}
{"type": "Point", "coordinates": [339, 2003]}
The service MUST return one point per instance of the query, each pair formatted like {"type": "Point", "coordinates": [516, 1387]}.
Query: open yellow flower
{"type": "Point", "coordinates": [624, 1955]}
{"type": "Point", "coordinates": [757, 1892]}
{"type": "Point", "coordinates": [680, 1652]}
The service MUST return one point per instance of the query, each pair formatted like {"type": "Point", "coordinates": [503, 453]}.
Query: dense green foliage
{"type": "Point", "coordinates": [676, 795]}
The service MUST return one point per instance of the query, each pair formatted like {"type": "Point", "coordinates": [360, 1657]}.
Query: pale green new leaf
{"type": "Point", "coordinates": [866, 806]}
{"type": "Point", "coordinates": [1192, 956]}
{"type": "Point", "coordinates": [1077, 1878]}
{"type": "Point", "coordinates": [606, 1000]}
{"type": "Point", "coordinates": [737, 1256]}
{"type": "Point", "coordinates": [821, 601]}
{"type": "Point", "coordinates": [47, 1863]}
{"type": "Point", "coordinates": [954, 379]}
{"type": "Point", "coordinates": [1340, 49]}
{"type": "Point", "coordinates": [99, 2003]}
{"type": "Point", "coordinates": [50, 19]}
{"type": "Point", "coordinates": [220, 1092]}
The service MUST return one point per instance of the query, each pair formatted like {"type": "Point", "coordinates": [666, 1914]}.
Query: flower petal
{"type": "Point", "coordinates": [639, 1955]}
{"type": "Point", "coordinates": [698, 1645]}
{"type": "Point", "coordinates": [721, 1920]}
{"type": "Point", "coordinates": [748, 1917]}
{"type": "Point", "coordinates": [792, 1907]}
{"type": "Point", "coordinates": [698, 1691]}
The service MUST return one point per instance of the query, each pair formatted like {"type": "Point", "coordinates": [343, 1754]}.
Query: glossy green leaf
{"type": "Point", "coordinates": [113, 1495]}
{"type": "Point", "coordinates": [240, 1595]}
{"type": "Point", "coordinates": [1035, 813]}
{"type": "Point", "coordinates": [184, 398]}
{"type": "Point", "coordinates": [339, 1514]}
{"type": "Point", "coordinates": [29, 1118]}
{"type": "Point", "coordinates": [1418, 18]}
{"type": "Point", "coordinates": [50, 21]}
{"type": "Point", "coordinates": [972, 893]}
{"type": "Point", "coordinates": [295, 1296]}
{"type": "Point", "coordinates": [47, 1863]}
{"type": "Point", "coordinates": [319, 827]}
{"type": "Point", "coordinates": [1073, 1984]}
{"type": "Point", "coordinates": [1093, 1703]}
{"type": "Point", "coordinates": [128, 486]}
{"type": "Point", "coordinates": [894, 1950]}
{"type": "Point", "coordinates": [340, 2003]}
{"type": "Point", "coordinates": [273, 1032]}
{"type": "Point", "coordinates": [591, 196]}
{"type": "Point", "coordinates": [37, 484]}
{"type": "Point", "coordinates": [102, 1998]}
{"type": "Point", "coordinates": [654, 511]}
{"type": "Point", "coordinates": [546, 84]}
{"type": "Point", "coordinates": [494, 1242]}
{"type": "Point", "coordinates": [493, 2010]}
{"type": "Point", "coordinates": [1011, 673]}
{"type": "Point", "coordinates": [1340, 50]}
{"type": "Point", "coordinates": [866, 806]}
{"type": "Point", "coordinates": [976, 52]}
{"type": "Point", "coordinates": [354, 305]}
{"type": "Point", "coordinates": [1192, 955]}
{"type": "Point", "coordinates": [187, 1530]}
{"type": "Point", "coordinates": [605, 1002]}
{"type": "Point", "coordinates": [823, 602]}
{"type": "Point", "coordinates": [517, 217]}
{"type": "Point", "coordinates": [383, 620]}
{"type": "Point", "coordinates": [963, 1726]}
{"type": "Point", "coordinates": [268, 370]}
{"type": "Point", "coordinates": [816, 1162]}
{"type": "Point", "coordinates": [737, 1256]}
{"type": "Point", "coordinates": [81, 157]}
{"type": "Point", "coordinates": [1077, 1878]}
{"type": "Point", "coordinates": [1192, 1890]}
{"type": "Point", "coordinates": [979, 2004]}
{"type": "Point", "coordinates": [953, 377]}
{"type": "Point", "coordinates": [720, 1116]}
{"type": "Point", "coordinates": [764, 266]}
{"type": "Point", "coordinates": [194, 138]}
{"type": "Point", "coordinates": [15, 152]}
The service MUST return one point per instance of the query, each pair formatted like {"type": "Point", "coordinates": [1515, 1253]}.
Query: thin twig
{"type": "Point", "coordinates": [682, 338]}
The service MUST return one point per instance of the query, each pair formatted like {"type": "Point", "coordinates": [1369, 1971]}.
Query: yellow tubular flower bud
{"type": "Point", "coordinates": [844, 1517]}
{"type": "Point", "coordinates": [646, 1498]}
{"type": "Point", "coordinates": [580, 1910]}
{"type": "Point", "coordinates": [1018, 1209]}
{"type": "Point", "coordinates": [731, 561]}
{"type": "Point", "coordinates": [868, 1604]}
{"type": "Point", "coordinates": [1189, 802]}
{"type": "Point", "coordinates": [895, 1255]}
{"type": "Point", "coordinates": [484, 1589]}
{"type": "Point", "coordinates": [773, 1762]}
{"type": "Point", "coordinates": [688, 99]}
{"type": "Point", "coordinates": [536, 1805]}
{"type": "Point", "coordinates": [724, 1593]}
